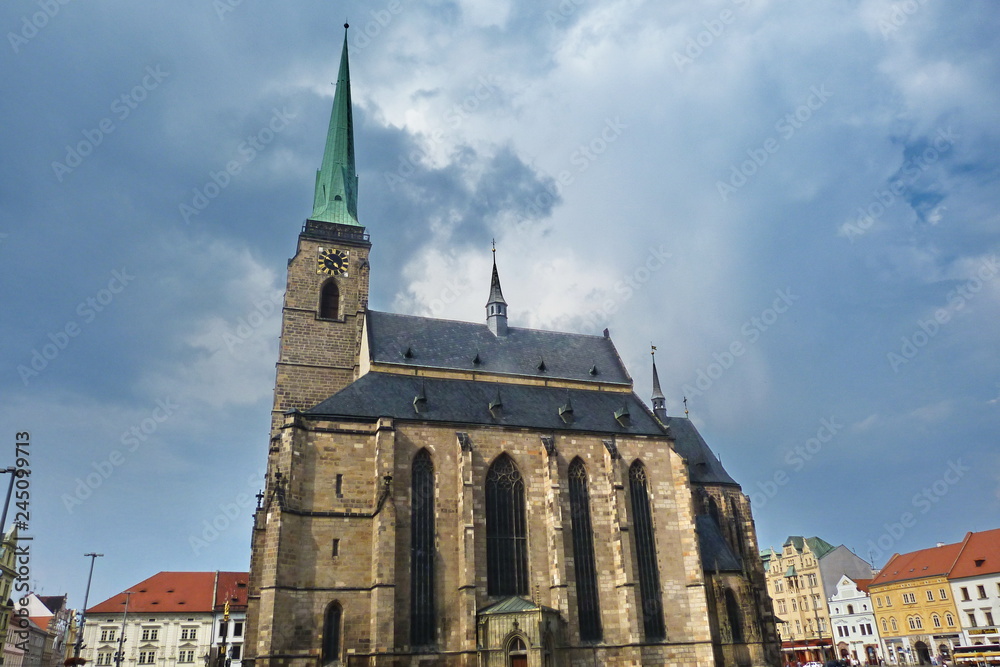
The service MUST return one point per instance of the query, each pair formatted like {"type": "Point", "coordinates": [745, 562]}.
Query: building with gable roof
{"type": "Point", "coordinates": [171, 619]}
{"type": "Point", "coordinates": [800, 578]}
{"type": "Point", "coordinates": [975, 587]}
{"type": "Point", "coordinates": [450, 493]}
{"type": "Point", "coordinates": [855, 630]}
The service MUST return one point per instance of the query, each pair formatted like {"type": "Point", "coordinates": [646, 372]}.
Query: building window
{"type": "Point", "coordinates": [989, 617]}
{"type": "Point", "coordinates": [915, 623]}
{"type": "Point", "coordinates": [735, 616]}
{"type": "Point", "coordinates": [879, 600]}
{"type": "Point", "coordinates": [587, 599]}
{"type": "Point", "coordinates": [645, 551]}
{"type": "Point", "coordinates": [936, 620]}
{"type": "Point", "coordinates": [949, 619]}
{"type": "Point", "coordinates": [506, 534]}
{"type": "Point", "coordinates": [185, 655]}
{"type": "Point", "coordinates": [237, 629]}
{"type": "Point", "coordinates": [189, 633]}
{"type": "Point", "coordinates": [972, 619]}
{"type": "Point", "coordinates": [329, 300]}
{"type": "Point", "coordinates": [781, 607]}
{"type": "Point", "coordinates": [812, 580]}
{"type": "Point", "coordinates": [150, 634]}
{"type": "Point", "coordinates": [795, 607]}
{"type": "Point", "coordinates": [335, 547]}
{"type": "Point", "coordinates": [104, 658]}
{"type": "Point", "coordinates": [147, 657]}
{"type": "Point", "coordinates": [965, 593]}
{"type": "Point", "coordinates": [909, 598]}
{"type": "Point", "coordinates": [850, 609]}
{"type": "Point", "coordinates": [982, 592]}
{"type": "Point", "coordinates": [942, 594]}
{"type": "Point", "coordinates": [236, 651]}
{"type": "Point", "coordinates": [331, 633]}
{"type": "Point", "coordinates": [930, 595]}
{"type": "Point", "coordinates": [108, 635]}
{"type": "Point", "coordinates": [779, 586]}
{"type": "Point", "coordinates": [339, 485]}
{"type": "Point", "coordinates": [422, 622]}
{"type": "Point", "coordinates": [885, 626]}
{"type": "Point", "coordinates": [894, 625]}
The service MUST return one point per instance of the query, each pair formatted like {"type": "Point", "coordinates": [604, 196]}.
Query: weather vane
{"type": "Point", "coordinates": [686, 413]}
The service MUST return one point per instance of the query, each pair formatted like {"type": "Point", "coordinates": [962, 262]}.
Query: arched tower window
{"type": "Point", "coordinates": [587, 598]}
{"type": "Point", "coordinates": [329, 300]}
{"type": "Point", "coordinates": [645, 554]}
{"type": "Point", "coordinates": [735, 617]}
{"type": "Point", "coordinates": [331, 633]}
{"type": "Point", "coordinates": [850, 609]}
{"type": "Point", "coordinates": [506, 534]}
{"type": "Point", "coordinates": [422, 622]}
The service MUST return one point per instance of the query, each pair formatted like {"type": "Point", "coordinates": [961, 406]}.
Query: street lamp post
{"type": "Point", "coordinates": [120, 655]}
{"type": "Point", "coordinates": [12, 471]}
{"type": "Point", "coordinates": [78, 646]}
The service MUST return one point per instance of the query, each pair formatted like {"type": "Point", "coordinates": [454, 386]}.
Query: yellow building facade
{"type": "Point", "coordinates": [914, 608]}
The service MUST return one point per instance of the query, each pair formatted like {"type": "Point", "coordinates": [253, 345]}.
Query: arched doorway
{"type": "Point", "coordinates": [923, 653]}
{"type": "Point", "coordinates": [517, 653]}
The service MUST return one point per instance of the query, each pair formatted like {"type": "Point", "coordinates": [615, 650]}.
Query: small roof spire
{"type": "Point", "coordinates": [496, 307]}
{"type": "Point", "coordinates": [336, 196]}
{"type": "Point", "coordinates": [658, 399]}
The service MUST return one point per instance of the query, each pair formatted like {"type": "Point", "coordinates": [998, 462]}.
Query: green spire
{"type": "Point", "coordinates": [336, 198]}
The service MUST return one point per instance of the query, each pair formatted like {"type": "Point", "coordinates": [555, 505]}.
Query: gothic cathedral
{"type": "Point", "coordinates": [477, 494]}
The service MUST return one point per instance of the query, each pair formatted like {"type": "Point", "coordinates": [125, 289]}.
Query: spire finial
{"type": "Point", "coordinates": [659, 400]}
{"type": "Point", "coordinates": [686, 413]}
{"type": "Point", "coordinates": [494, 249]}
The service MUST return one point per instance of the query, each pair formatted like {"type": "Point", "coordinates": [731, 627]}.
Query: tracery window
{"type": "Point", "coordinates": [587, 598]}
{"type": "Point", "coordinates": [422, 625]}
{"type": "Point", "coordinates": [735, 617]}
{"type": "Point", "coordinates": [645, 554]}
{"type": "Point", "coordinates": [506, 533]}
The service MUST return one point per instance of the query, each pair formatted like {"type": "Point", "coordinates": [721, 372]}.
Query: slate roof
{"type": "Point", "coordinates": [449, 344]}
{"type": "Point", "coordinates": [703, 464]}
{"type": "Point", "coordinates": [375, 395]}
{"type": "Point", "coordinates": [715, 552]}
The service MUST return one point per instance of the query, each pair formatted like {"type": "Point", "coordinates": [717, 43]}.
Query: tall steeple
{"type": "Point", "coordinates": [659, 400]}
{"type": "Point", "coordinates": [336, 198]}
{"type": "Point", "coordinates": [496, 307]}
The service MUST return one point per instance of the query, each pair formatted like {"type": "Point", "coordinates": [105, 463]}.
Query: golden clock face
{"type": "Point", "coordinates": [332, 262]}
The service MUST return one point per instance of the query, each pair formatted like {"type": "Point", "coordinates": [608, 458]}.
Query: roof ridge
{"type": "Point", "coordinates": [485, 326]}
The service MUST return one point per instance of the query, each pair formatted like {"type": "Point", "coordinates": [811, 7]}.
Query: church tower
{"type": "Point", "coordinates": [327, 290]}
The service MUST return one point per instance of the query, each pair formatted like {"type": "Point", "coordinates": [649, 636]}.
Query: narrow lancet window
{"type": "Point", "coordinates": [587, 598]}
{"type": "Point", "coordinates": [645, 554]}
{"type": "Point", "coordinates": [422, 624]}
{"type": "Point", "coordinates": [506, 533]}
{"type": "Point", "coordinates": [329, 300]}
{"type": "Point", "coordinates": [331, 633]}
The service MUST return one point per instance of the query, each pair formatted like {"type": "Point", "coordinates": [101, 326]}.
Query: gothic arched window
{"type": "Point", "coordinates": [506, 533]}
{"type": "Point", "coordinates": [331, 633]}
{"type": "Point", "coordinates": [735, 618]}
{"type": "Point", "coordinates": [587, 599]}
{"type": "Point", "coordinates": [422, 623]}
{"type": "Point", "coordinates": [329, 300]}
{"type": "Point", "coordinates": [645, 554]}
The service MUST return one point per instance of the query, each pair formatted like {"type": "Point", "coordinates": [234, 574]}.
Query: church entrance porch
{"type": "Point", "coordinates": [517, 633]}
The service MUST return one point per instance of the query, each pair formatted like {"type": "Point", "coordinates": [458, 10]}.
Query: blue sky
{"type": "Point", "coordinates": [797, 204]}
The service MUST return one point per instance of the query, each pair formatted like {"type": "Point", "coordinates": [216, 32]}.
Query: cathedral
{"type": "Point", "coordinates": [478, 494]}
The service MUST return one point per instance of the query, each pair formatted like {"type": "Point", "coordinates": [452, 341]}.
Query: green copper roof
{"type": "Point", "coordinates": [511, 605]}
{"type": "Point", "coordinates": [790, 572]}
{"type": "Point", "coordinates": [336, 198]}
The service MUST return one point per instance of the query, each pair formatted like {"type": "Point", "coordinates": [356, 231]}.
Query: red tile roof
{"type": "Point", "coordinates": [935, 561]}
{"type": "Point", "coordinates": [172, 592]}
{"type": "Point", "coordinates": [232, 588]}
{"type": "Point", "coordinates": [862, 584]}
{"type": "Point", "coordinates": [41, 621]}
{"type": "Point", "coordinates": [980, 556]}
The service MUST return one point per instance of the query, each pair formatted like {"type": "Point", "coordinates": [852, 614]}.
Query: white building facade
{"type": "Point", "coordinates": [852, 619]}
